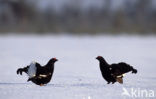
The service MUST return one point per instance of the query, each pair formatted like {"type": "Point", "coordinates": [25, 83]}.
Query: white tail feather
{"type": "Point", "coordinates": [32, 70]}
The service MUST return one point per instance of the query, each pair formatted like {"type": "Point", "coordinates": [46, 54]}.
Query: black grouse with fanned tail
{"type": "Point", "coordinates": [114, 72]}
{"type": "Point", "coordinates": [38, 74]}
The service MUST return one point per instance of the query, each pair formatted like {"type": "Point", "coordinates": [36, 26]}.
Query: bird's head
{"type": "Point", "coordinates": [102, 60]}
{"type": "Point", "coordinates": [99, 58]}
{"type": "Point", "coordinates": [54, 59]}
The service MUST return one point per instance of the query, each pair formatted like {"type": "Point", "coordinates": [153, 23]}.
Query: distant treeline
{"type": "Point", "coordinates": [24, 16]}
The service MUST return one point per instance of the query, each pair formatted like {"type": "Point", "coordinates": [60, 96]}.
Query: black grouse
{"type": "Point", "coordinates": [38, 74]}
{"type": "Point", "coordinates": [114, 72]}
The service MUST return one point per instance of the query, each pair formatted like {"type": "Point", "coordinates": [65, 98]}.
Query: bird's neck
{"type": "Point", "coordinates": [103, 63]}
{"type": "Point", "coordinates": [50, 64]}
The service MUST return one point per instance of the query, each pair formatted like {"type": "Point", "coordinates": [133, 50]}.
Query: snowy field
{"type": "Point", "coordinates": [77, 74]}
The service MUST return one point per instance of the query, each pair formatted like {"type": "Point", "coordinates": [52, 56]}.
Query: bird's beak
{"type": "Point", "coordinates": [56, 59]}
{"type": "Point", "coordinates": [96, 58]}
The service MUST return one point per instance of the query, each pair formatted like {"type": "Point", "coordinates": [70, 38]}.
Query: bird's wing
{"type": "Point", "coordinates": [127, 68]}
{"type": "Point", "coordinates": [44, 75]}
{"type": "Point", "coordinates": [120, 68]}
{"type": "Point", "coordinates": [115, 70]}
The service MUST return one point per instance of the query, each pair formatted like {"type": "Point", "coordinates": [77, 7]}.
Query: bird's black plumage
{"type": "Point", "coordinates": [42, 75]}
{"type": "Point", "coordinates": [114, 72]}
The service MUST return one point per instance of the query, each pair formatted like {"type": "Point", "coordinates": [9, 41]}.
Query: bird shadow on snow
{"type": "Point", "coordinates": [57, 85]}
{"type": "Point", "coordinates": [84, 85]}
{"type": "Point", "coordinates": [4, 83]}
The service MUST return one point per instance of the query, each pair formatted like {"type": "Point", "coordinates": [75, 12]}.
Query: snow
{"type": "Point", "coordinates": [76, 74]}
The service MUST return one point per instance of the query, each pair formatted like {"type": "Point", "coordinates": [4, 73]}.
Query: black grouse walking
{"type": "Point", "coordinates": [38, 74]}
{"type": "Point", "coordinates": [114, 72]}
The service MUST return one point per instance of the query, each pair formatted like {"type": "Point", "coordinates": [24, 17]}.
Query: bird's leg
{"type": "Point", "coordinates": [30, 79]}
{"type": "Point", "coordinates": [113, 82]}
{"type": "Point", "coordinates": [108, 82]}
{"type": "Point", "coordinates": [41, 84]}
{"type": "Point", "coordinates": [120, 80]}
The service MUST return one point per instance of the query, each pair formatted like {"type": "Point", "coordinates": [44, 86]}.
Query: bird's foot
{"type": "Point", "coordinates": [41, 84]}
{"type": "Point", "coordinates": [113, 82]}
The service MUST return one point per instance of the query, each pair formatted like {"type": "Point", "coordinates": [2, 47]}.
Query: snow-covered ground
{"type": "Point", "coordinates": [77, 74]}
